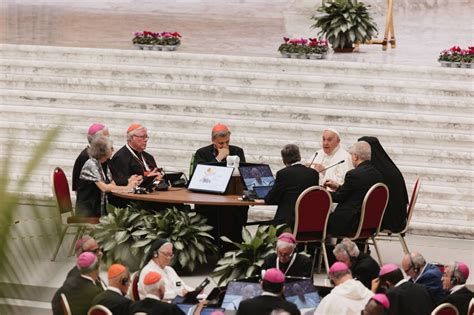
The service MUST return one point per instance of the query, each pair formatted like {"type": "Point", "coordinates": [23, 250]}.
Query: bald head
{"type": "Point", "coordinates": [373, 308]}
{"type": "Point", "coordinates": [413, 264]}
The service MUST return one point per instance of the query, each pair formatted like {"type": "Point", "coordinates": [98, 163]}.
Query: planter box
{"type": "Point", "coordinates": [304, 56]}
{"type": "Point", "coordinates": [156, 47]}
{"type": "Point", "coordinates": [449, 64]}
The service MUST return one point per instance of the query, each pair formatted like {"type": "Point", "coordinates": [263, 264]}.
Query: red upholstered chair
{"type": "Point", "coordinates": [64, 204]}
{"type": "Point", "coordinates": [99, 310]}
{"type": "Point", "coordinates": [133, 288]}
{"type": "Point", "coordinates": [65, 305]}
{"type": "Point", "coordinates": [470, 310]}
{"type": "Point", "coordinates": [371, 214]}
{"type": "Point", "coordinates": [311, 218]}
{"type": "Point", "coordinates": [445, 309]}
{"type": "Point", "coordinates": [389, 235]}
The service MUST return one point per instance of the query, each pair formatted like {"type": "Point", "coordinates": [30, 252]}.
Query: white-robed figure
{"type": "Point", "coordinates": [330, 154]}
{"type": "Point", "coordinates": [158, 260]}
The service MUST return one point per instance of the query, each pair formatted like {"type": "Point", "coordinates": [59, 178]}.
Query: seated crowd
{"type": "Point", "coordinates": [360, 284]}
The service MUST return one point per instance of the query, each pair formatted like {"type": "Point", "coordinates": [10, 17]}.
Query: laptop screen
{"type": "Point", "coordinates": [302, 293]}
{"type": "Point", "coordinates": [261, 191]}
{"type": "Point", "coordinates": [256, 175]}
{"type": "Point", "coordinates": [209, 178]}
{"type": "Point", "coordinates": [189, 309]}
{"type": "Point", "coordinates": [238, 291]}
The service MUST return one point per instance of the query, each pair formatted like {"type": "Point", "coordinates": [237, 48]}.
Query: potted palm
{"type": "Point", "coordinates": [345, 22]}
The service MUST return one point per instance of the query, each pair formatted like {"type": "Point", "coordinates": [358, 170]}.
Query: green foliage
{"type": "Point", "coordinates": [127, 234]}
{"type": "Point", "coordinates": [344, 22]}
{"type": "Point", "coordinates": [247, 260]}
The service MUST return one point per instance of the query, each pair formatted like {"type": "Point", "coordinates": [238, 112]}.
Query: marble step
{"type": "Point", "coordinates": [168, 74]}
{"type": "Point", "coordinates": [252, 64]}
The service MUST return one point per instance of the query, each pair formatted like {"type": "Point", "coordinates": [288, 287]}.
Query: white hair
{"type": "Point", "coordinates": [282, 244]}
{"type": "Point", "coordinates": [347, 248]}
{"type": "Point", "coordinates": [362, 150]}
{"type": "Point", "coordinates": [134, 132]}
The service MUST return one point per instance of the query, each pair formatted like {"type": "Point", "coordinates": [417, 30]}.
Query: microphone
{"type": "Point", "coordinates": [340, 162]}
{"type": "Point", "coordinates": [315, 155]}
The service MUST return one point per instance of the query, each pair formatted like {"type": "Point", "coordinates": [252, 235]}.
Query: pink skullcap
{"type": "Point", "coordinates": [81, 242]}
{"type": "Point", "coordinates": [152, 278]}
{"type": "Point", "coordinates": [85, 260]}
{"type": "Point", "coordinates": [132, 127]}
{"type": "Point", "coordinates": [274, 275]}
{"type": "Point", "coordinates": [338, 266]}
{"type": "Point", "coordinates": [94, 128]}
{"type": "Point", "coordinates": [220, 128]}
{"type": "Point", "coordinates": [287, 238]}
{"type": "Point", "coordinates": [387, 268]}
{"type": "Point", "coordinates": [382, 299]}
{"type": "Point", "coordinates": [464, 270]}
{"type": "Point", "coordinates": [217, 313]}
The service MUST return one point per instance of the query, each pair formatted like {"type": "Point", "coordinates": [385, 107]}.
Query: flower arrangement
{"type": "Point", "coordinates": [311, 48]}
{"type": "Point", "coordinates": [457, 57]}
{"type": "Point", "coordinates": [157, 41]}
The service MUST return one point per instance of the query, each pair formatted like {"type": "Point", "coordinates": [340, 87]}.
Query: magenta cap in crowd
{"type": "Point", "coordinates": [94, 128]}
{"type": "Point", "coordinates": [382, 299]}
{"type": "Point", "coordinates": [463, 269]}
{"type": "Point", "coordinates": [81, 242]}
{"type": "Point", "coordinates": [287, 238]}
{"type": "Point", "coordinates": [387, 268]}
{"type": "Point", "coordinates": [86, 259]}
{"type": "Point", "coordinates": [274, 275]}
{"type": "Point", "coordinates": [338, 266]}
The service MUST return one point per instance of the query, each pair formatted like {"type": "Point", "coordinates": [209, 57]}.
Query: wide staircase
{"type": "Point", "coordinates": [422, 116]}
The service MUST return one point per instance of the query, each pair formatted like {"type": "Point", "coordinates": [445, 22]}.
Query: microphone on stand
{"type": "Point", "coordinates": [340, 162]}
{"type": "Point", "coordinates": [315, 155]}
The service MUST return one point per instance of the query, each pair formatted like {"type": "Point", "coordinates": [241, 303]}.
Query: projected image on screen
{"type": "Point", "coordinates": [302, 293]}
{"type": "Point", "coordinates": [210, 178]}
{"type": "Point", "coordinates": [238, 292]}
{"type": "Point", "coordinates": [258, 175]}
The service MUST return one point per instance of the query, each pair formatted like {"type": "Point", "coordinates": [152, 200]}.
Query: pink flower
{"type": "Point", "coordinates": [286, 39]}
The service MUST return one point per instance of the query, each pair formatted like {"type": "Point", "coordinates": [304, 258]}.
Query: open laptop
{"type": "Point", "coordinates": [257, 178]}
{"type": "Point", "coordinates": [210, 179]}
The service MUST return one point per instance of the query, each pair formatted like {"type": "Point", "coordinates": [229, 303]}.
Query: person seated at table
{"type": "Point", "coordinates": [158, 260]}
{"type": "Point", "coordinates": [395, 215]}
{"type": "Point", "coordinates": [96, 180]}
{"type": "Point", "coordinates": [290, 182]}
{"type": "Point", "coordinates": [228, 220]}
{"type": "Point", "coordinates": [287, 259]}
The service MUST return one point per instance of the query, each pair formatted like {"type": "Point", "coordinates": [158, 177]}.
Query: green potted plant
{"type": "Point", "coordinates": [345, 22]}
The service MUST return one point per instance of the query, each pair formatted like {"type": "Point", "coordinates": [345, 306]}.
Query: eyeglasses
{"type": "Point", "coordinates": [284, 255]}
{"type": "Point", "coordinates": [96, 251]}
{"type": "Point", "coordinates": [408, 270]}
{"type": "Point", "coordinates": [142, 137]}
{"type": "Point", "coordinates": [168, 255]}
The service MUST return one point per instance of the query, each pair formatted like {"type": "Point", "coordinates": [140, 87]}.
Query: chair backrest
{"type": "Point", "coordinates": [373, 209]}
{"type": "Point", "coordinates": [65, 305]}
{"type": "Point", "coordinates": [445, 309]}
{"type": "Point", "coordinates": [61, 191]}
{"type": "Point", "coordinates": [470, 310]}
{"type": "Point", "coordinates": [411, 204]}
{"type": "Point", "coordinates": [192, 165]}
{"type": "Point", "coordinates": [312, 211]}
{"type": "Point", "coordinates": [99, 310]}
{"type": "Point", "coordinates": [133, 289]}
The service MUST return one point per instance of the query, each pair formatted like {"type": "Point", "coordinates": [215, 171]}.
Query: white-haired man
{"type": "Point", "coordinates": [454, 282]}
{"type": "Point", "coordinates": [287, 259]}
{"type": "Point", "coordinates": [330, 154]}
{"type": "Point", "coordinates": [349, 196]}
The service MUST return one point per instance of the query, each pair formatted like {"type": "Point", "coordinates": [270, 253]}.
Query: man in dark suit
{"type": "Point", "coordinates": [364, 268]}
{"type": "Point", "coordinates": [114, 297]}
{"type": "Point", "coordinates": [155, 291]}
{"type": "Point", "coordinates": [80, 291]}
{"type": "Point", "coordinates": [84, 244]}
{"type": "Point", "coordinates": [454, 282]}
{"type": "Point", "coordinates": [290, 182]}
{"type": "Point", "coordinates": [349, 197]}
{"type": "Point", "coordinates": [426, 274]}
{"type": "Point", "coordinates": [405, 297]}
{"type": "Point", "coordinates": [271, 298]}
{"type": "Point", "coordinates": [226, 220]}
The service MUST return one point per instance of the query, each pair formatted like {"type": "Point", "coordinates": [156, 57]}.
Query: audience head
{"type": "Point", "coordinates": [455, 274]}
{"type": "Point", "coordinates": [101, 149]}
{"type": "Point", "coordinates": [346, 252]}
{"type": "Point", "coordinates": [273, 281]}
{"type": "Point", "coordinates": [154, 284]}
{"type": "Point", "coordinates": [119, 277]}
{"type": "Point", "coordinates": [377, 305]}
{"type": "Point", "coordinates": [331, 140]}
{"type": "Point", "coordinates": [290, 154]}
{"type": "Point", "coordinates": [87, 244]}
{"type": "Point", "coordinates": [97, 130]}
{"type": "Point", "coordinates": [137, 137]}
{"type": "Point", "coordinates": [413, 264]}
{"type": "Point", "coordinates": [220, 136]}
{"type": "Point", "coordinates": [339, 273]}
{"type": "Point", "coordinates": [360, 152]}
{"type": "Point", "coordinates": [161, 251]}
{"type": "Point", "coordinates": [285, 247]}
{"type": "Point", "coordinates": [389, 276]}
{"type": "Point", "coordinates": [88, 264]}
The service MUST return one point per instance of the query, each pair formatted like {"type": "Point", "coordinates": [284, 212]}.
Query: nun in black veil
{"type": "Point", "coordinates": [395, 214]}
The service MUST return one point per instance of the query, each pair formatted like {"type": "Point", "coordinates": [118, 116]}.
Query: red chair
{"type": "Point", "coordinates": [65, 305]}
{"type": "Point", "coordinates": [133, 288]}
{"type": "Point", "coordinates": [389, 235]}
{"type": "Point", "coordinates": [445, 309]}
{"type": "Point", "coordinates": [311, 218]}
{"type": "Point", "coordinates": [470, 310]}
{"type": "Point", "coordinates": [99, 310]}
{"type": "Point", "coordinates": [371, 214]}
{"type": "Point", "coordinates": [64, 204]}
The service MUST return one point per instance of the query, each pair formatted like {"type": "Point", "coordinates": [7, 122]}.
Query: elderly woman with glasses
{"type": "Point", "coordinates": [158, 260]}
{"type": "Point", "coordinates": [287, 259]}
{"type": "Point", "coordinates": [96, 180]}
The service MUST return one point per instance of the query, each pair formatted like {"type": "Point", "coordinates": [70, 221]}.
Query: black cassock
{"type": "Point", "coordinates": [409, 299]}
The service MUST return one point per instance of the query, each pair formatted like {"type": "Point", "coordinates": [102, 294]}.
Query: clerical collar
{"type": "Point", "coordinates": [89, 278]}
{"type": "Point", "coordinates": [289, 264]}
{"type": "Point", "coordinates": [296, 163]}
{"type": "Point", "coordinates": [456, 288]}
{"type": "Point", "coordinates": [270, 294]}
{"type": "Point", "coordinates": [114, 289]}
{"type": "Point", "coordinates": [401, 282]}
{"type": "Point", "coordinates": [152, 296]}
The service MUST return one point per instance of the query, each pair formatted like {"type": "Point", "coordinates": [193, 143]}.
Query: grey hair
{"type": "Point", "coordinates": [418, 260]}
{"type": "Point", "coordinates": [290, 154]}
{"type": "Point", "coordinates": [96, 135]}
{"type": "Point", "coordinates": [151, 288]}
{"type": "Point", "coordinates": [282, 244]}
{"type": "Point", "coordinates": [346, 247]}
{"type": "Point", "coordinates": [134, 132]}
{"type": "Point", "coordinates": [100, 147]}
{"type": "Point", "coordinates": [220, 134]}
{"type": "Point", "coordinates": [456, 273]}
{"type": "Point", "coordinates": [362, 150]}
{"type": "Point", "coordinates": [339, 274]}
